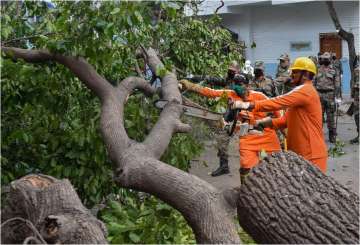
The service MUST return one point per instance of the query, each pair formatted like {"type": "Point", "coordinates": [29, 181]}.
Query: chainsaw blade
{"type": "Point", "coordinates": [193, 111]}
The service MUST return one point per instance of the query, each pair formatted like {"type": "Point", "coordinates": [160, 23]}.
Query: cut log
{"type": "Point", "coordinates": [54, 209]}
{"type": "Point", "coordinates": [286, 199]}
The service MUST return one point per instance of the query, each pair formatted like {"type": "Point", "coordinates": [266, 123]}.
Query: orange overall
{"type": "Point", "coordinates": [250, 145]}
{"type": "Point", "coordinates": [303, 120]}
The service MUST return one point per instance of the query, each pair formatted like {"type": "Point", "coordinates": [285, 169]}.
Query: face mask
{"type": "Point", "coordinates": [258, 72]}
{"type": "Point", "coordinates": [239, 89]}
{"type": "Point", "coordinates": [326, 62]}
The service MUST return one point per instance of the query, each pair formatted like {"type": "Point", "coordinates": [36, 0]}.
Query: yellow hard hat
{"type": "Point", "coordinates": [305, 64]}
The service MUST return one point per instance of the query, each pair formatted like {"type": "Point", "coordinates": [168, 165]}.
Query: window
{"type": "Point", "coordinates": [300, 46]}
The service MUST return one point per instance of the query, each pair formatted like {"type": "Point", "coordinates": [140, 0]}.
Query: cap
{"type": "Point", "coordinates": [284, 56]}
{"type": "Point", "coordinates": [325, 55]}
{"type": "Point", "coordinates": [259, 65]}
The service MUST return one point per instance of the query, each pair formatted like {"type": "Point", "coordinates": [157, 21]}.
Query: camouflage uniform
{"type": "Point", "coordinates": [262, 83]}
{"type": "Point", "coordinates": [222, 142]}
{"type": "Point", "coordinates": [327, 84]}
{"type": "Point", "coordinates": [338, 67]}
{"type": "Point", "coordinates": [221, 136]}
{"type": "Point", "coordinates": [282, 76]}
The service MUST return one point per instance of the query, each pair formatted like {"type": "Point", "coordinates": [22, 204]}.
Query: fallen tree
{"type": "Point", "coordinates": [285, 199]}
{"type": "Point", "coordinates": [136, 164]}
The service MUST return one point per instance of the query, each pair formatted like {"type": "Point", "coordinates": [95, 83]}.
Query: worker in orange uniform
{"type": "Point", "coordinates": [250, 145]}
{"type": "Point", "coordinates": [303, 117]}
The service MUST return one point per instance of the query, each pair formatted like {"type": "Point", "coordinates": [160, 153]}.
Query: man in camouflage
{"type": "Point", "coordinates": [328, 86]}
{"type": "Point", "coordinates": [336, 63]}
{"type": "Point", "coordinates": [282, 77]}
{"type": "Point", "coordinates": [221, 136]}
{"type": "Point", "coordinates": [355, 95]}
{"type": "Point", "coordinates": [261, 83]}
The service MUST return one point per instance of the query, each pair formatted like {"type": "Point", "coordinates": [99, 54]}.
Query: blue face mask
{"type": "Point", "coordinates": [239, 89]}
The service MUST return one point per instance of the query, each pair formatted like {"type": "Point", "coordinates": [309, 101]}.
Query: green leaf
{"type": "Point", "coordinates": [134, 237]}
{"type": "Point", "coordinates": [115, 11]}
{"type": "Point", "coordinates": [138, 16]}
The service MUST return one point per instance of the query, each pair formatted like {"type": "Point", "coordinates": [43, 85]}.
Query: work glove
{"type": "Point", "coordinates": [338, 101]}
{"type": "Point", "coordinates": [239, 105]}
{"type": "Point", "coordinates": [185, 84]}
{"type": "Point", "coordinates": [265, 122]}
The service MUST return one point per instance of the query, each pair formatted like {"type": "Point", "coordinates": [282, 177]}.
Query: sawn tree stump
{"type": "Point", "coordinates": [54, 208]}
{"type": "Point", "coordinates": [286, 199]}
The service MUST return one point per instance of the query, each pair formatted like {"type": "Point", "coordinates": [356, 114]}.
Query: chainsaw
{"type": "Point", "coordinates": [244, 126]}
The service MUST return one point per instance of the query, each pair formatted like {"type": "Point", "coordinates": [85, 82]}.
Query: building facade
{"type": "Point", "coordinates": [299, 28]}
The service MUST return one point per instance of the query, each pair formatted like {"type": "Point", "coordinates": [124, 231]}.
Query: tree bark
{"type": "Point", "coordinates": [55, 210]}
{"type": "Point", "coordinates": [347, 36]}
{"type": "Point", "coordinates": [136, 164]}
{"type": "Point", "coordinates": [285, 199]}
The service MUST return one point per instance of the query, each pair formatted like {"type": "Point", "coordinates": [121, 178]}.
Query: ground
{"type": "Point", "coordinates": [345, 169]}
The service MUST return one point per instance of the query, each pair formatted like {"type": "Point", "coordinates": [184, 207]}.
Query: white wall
{"type": "Point", "coordinates": [272, 28]}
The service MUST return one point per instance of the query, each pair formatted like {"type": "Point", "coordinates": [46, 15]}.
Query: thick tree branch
{"type": "Point", "coordinates": [348, 36]}
{"type": "Point", "coordinates": [131, 83]}
{"type": "Point", "coordinates": [78, 65]}
{"type": "Point", "coordinates": [112, 116]}
{"type": "Point", "coordinates": [221, 5]}
{"type": "Point", "coordinates": [138, 70]}
{"type": "Point", "coordinates": [169, 122]}
{"type": "Point", "coordinates": [169, 84]}
{"type": "Point", "coordinates": [203, 206]}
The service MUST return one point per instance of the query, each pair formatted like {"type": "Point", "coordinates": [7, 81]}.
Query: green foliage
{"type": "Point", "coordinates": [337, 150]}
{"type": "Point", "coordinates": [50, 125]}
{"type": "Point", "coordinates": [50, 121]}
{"type": "Point", "coordinates": [150, 221]}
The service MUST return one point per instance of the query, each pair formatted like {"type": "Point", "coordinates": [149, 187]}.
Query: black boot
{"type": "Point", "coordinates": [332, 136]}
{"type": "Point", "coordinates": [222, 169]}
{"type": "Point", "coordinates": [355, 140]}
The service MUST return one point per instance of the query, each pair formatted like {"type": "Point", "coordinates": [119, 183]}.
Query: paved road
{"type": "Point", "coordinates": [344, 169]}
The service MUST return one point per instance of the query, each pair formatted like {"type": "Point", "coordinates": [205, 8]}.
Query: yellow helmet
{"type": "Point", "coordinates": [305, 64]}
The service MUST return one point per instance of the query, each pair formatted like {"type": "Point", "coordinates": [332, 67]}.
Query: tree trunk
{"type": "Point", "coordinates": [54, 209]}
{"type": "Point", "coordinates": [347, 36]}
{"type": "Point", "coordinates": [285, 199]}
{"type": "Point", "coordinates": [136, 164]}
